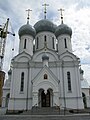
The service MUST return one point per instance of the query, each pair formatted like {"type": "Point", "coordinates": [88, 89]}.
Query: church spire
{"type": "Point", "coordinates": [45, 9]}
{"type": "Point", "coordinates": [28, 17]}
{"type": "Point", "coordinates": [61, 12]}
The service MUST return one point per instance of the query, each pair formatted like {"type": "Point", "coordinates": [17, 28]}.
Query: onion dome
{"type": "Point", "coordinates": [27, 30]}
{"type": "Point", "coordinates": [45, 25]}
{"type": "Point", "coordinates": [45, 57]}
{"type": "Point", "coordinates": [63, 29]}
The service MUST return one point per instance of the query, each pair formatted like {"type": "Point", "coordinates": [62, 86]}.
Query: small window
{"type": "Point", "coordinates": [22, 82]}
{"type": "Point", "coordinates": [45, 38]}
{"type": "Point", "coordinates": [65, 43]}
{"type": "Point", "coordinates": [69, 81]}
{"type": "Point", "coordinates": [45, 76]}
{"type": "Point", "coordinates": [25, 42]}
{"type": "Point", "coordinates": [37, 43]}
{"type": "Point", "coordinates": [53, 42]}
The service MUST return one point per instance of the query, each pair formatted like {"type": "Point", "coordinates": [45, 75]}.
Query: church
{"type": "Point", "coordinates": [45, 73]}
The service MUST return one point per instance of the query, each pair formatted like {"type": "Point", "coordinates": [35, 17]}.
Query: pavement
{"type": "Point", "coordinates": [2, 111]}
{"type": "Point", "coordinates": [3, 116]}
{"type": "Point", "coordinates": [45, 117]}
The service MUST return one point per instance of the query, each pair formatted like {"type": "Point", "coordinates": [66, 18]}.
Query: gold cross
{"type": "Point", "coordinates": [45, 9]}
{"type": "Point", "coordinates": [61, 11]}
{"type": "Point", "coordinates": [28, 11]}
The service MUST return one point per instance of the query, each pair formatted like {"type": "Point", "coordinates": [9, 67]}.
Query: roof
{"type": "Point", "coordinates": [63, 29]}
{"type": "Point", "coordinates": [45, 25]}
{"type": "Point", "coordinates": [84, 84]}
{"type": "Point", "coordinates": [27, 29]}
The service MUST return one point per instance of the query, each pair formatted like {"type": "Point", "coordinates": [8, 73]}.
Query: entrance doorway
{"type": "Point", "coordinates": [84, 100]}
{"type": "Point", "coordinates": [7, 99]}
{"type": "Point", "coordinates": [45, 99]}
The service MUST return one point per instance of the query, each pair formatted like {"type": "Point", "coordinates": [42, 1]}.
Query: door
{"type": "Point", "coordinates": [45, 99]}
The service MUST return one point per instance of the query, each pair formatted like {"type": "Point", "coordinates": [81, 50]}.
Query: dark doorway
{"type": "Point", "coordinates": [7, 99]}
{"type": "Point", "coordinates": [84, 100]}
{"type": "Point", "coordinates": [45, 99]}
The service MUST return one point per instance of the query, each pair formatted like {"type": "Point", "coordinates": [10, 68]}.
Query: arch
{"type": "Point", "coordinates": [46, 85]}
{"type": "Point", "coordinates": [45, 98]}
{"type": "Point", "coordinates": [7, 99]}
{"type": "Point", "coordinates": [52, 55]}
{"type": "Point", "coordinates": [84, 100]}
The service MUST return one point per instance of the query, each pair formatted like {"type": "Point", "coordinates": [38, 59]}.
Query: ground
{"type": "Point", "coordinates": [45, 117]}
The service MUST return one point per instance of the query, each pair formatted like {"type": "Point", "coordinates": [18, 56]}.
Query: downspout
{"type": "Point", "coordinates": [27, 89]}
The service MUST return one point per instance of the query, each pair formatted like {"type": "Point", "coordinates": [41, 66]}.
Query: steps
{"type": "Point", "coordinates": [45, 111]}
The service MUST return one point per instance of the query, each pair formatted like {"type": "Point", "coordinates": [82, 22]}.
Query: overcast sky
{"type": "Point", "coordinates": [76, 16]}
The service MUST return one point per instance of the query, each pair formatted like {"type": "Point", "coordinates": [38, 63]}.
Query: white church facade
{"type": "Point", "coordinates": [45, 73]}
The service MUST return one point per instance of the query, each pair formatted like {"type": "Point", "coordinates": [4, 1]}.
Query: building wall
{"type": "Point", "coordinates": [2, 77]}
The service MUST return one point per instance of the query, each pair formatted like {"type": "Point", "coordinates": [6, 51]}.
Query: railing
{"type": "Point", "coordinates": [37, 104]}
{"type": "Point", "coordinates": [57, 107]}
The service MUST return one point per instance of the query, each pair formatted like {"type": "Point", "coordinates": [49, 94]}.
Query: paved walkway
{"type": "Point", "coordinates": [44, 117]}
{"type": "Point", "coordinates": [2, 111]}
{"type": "Point", "coordinates": [85, 116]}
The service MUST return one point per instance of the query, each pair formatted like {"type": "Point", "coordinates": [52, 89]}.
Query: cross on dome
{"type": "Point", "coordinates": [28, 11]}
{"type": "Point", "coordinates": [61, 12]}
{"type": "Point", "coordinates": [45, 9]}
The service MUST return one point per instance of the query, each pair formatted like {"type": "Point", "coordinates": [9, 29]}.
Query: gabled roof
{"type": "Point", "coordinates": [84, 84]}
{"type": "Point", "coordinates": [69, 54]}
{"type": "Point", "coordinates": [21, 55]}
{"type": "Point", "coordinates": [45, 68]}
{"type": "Point", "coordinates": [42, 51]}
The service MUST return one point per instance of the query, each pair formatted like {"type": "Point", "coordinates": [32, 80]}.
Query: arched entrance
{"type": "Point", "coordinates": [7, 99]}
{"type": "Point", "coordinates": [84, 100]}
{"type": "Point", "coordinates": [45, 98]}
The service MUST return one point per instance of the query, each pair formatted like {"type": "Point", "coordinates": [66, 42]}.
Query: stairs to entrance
{"type": "Point", "coordinates": [45, 111]}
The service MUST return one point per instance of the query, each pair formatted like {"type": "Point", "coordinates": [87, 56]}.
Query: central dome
{"type": "Point", "coordinates": [45, 25]}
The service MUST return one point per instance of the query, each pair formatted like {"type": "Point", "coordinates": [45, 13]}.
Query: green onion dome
{"type": "Point", "coordinates": [27, 30]}
{"type": "Point", "coordinates": [63, 29]}
{"type": "Point", "coordinates": [45, 25]}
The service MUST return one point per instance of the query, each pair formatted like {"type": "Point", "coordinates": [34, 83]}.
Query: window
{"type": "Point", "coordinates": [25, 43]}
{"type": "Point", "coordinates": [22, 82]}
{"type": "Point", "coordinates": [37, 43]}
{"type": "Point", "coordinates": [45, 76]}
{"type": "Point", "coordinates": [45, 38]}
{"type": "Point", "coordinates": [65, 43]}
{"type": "Point", "coordinates": [53, 42]}
{"type": "Point", "coordinates": [69, 81]}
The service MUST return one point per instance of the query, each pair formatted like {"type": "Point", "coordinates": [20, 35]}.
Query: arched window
{"type": "Point", "coordinates": [37, 43]}
{"type": "Point", "coordinates": [25, 42]}
{"type": "Point", "coordinates": [65, 43]}
{"type": "Point", "coordinates": [53, 42]}
{"type": "Point", "coordinates": [69, 81]}
{"type": "Point", "coordinates": [45, 76]}
{"type": "Point", "coordinates": [22, 82]}
{"type": "Point", "coordinates": [45, 38]}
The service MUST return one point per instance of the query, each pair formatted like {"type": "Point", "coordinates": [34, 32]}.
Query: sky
{"type": "Point", "coordinates": [76, 15]}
